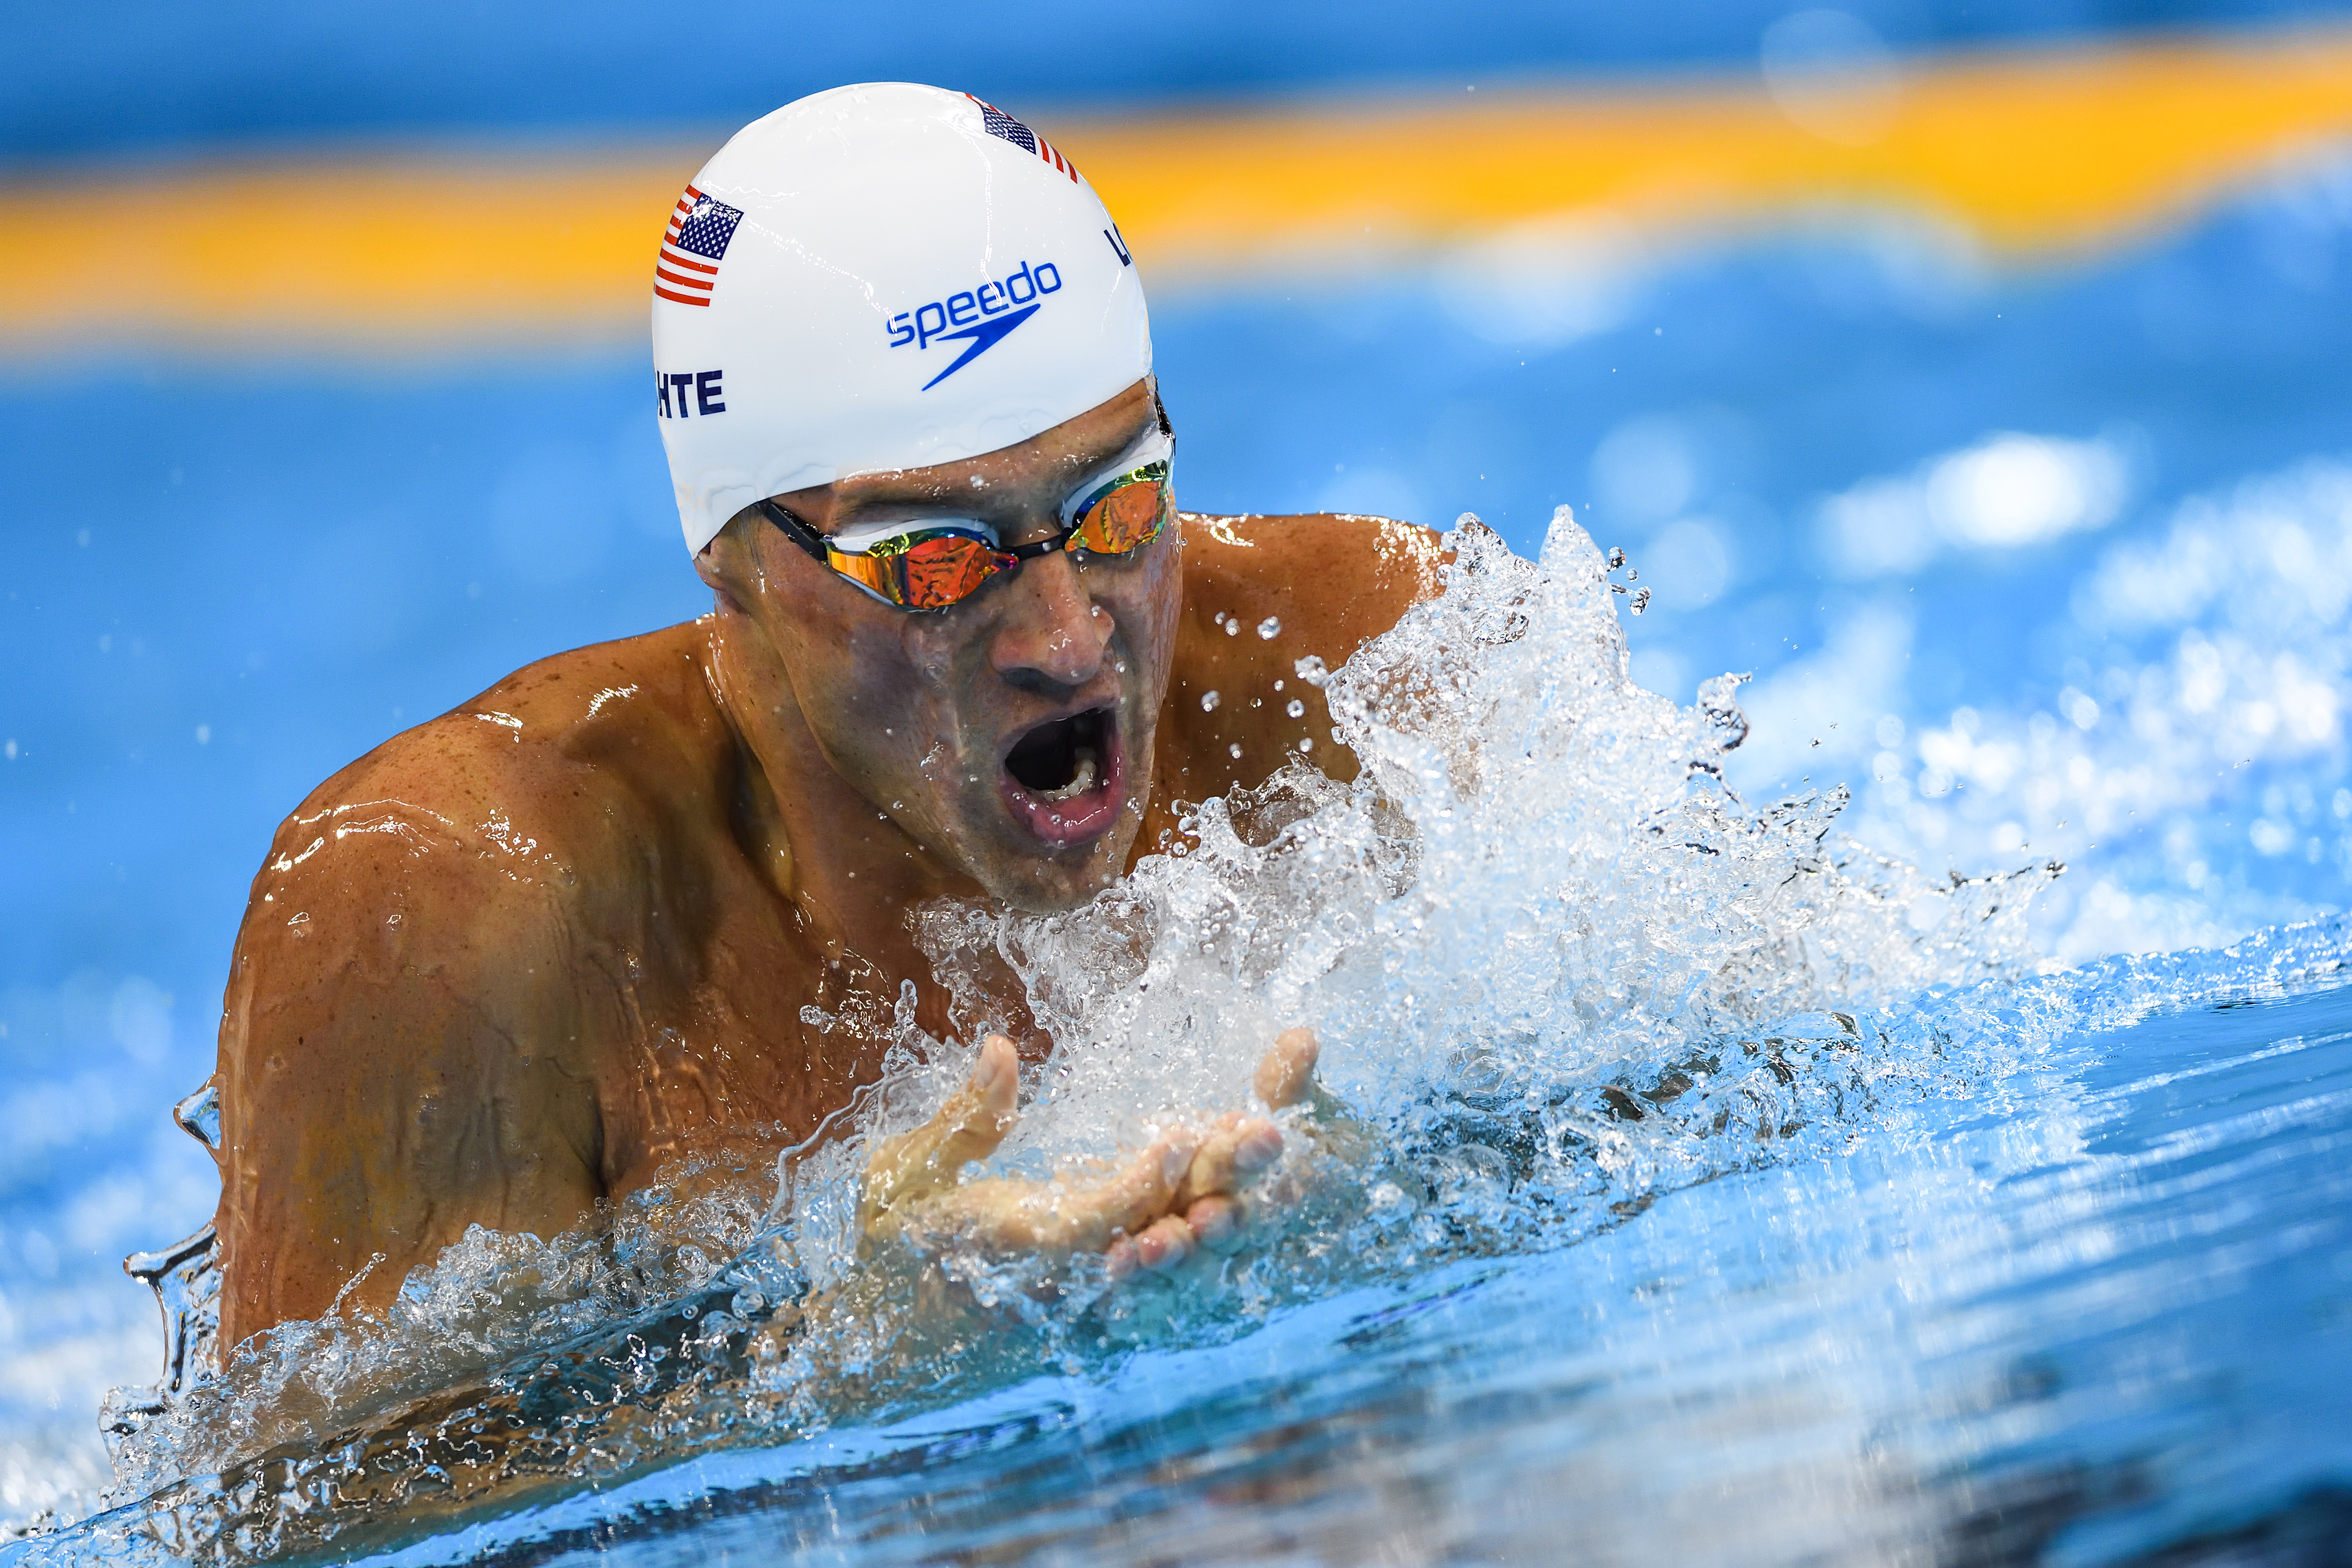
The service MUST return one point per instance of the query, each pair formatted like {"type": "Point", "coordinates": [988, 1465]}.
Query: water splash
{"type": "Point", "coordinates": [1559, 968]}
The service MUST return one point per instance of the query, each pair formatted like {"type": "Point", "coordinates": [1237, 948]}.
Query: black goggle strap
{"type": "Point", "coordinates": [793, 529]}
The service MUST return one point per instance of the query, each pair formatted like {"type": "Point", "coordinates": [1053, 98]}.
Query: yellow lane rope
{"type": "Point", "coordinates": [2033, 152]}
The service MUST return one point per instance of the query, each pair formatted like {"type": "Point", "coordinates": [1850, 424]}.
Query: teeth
{"type": "Point", "coordinates": [1080, 782]}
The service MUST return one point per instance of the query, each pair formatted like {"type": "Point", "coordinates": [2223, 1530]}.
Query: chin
{"type": "Point", "coordinates": [1050, 891]}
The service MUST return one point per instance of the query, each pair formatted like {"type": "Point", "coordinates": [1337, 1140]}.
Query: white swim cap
{"type": "Point", "coordinates": [881, 277]}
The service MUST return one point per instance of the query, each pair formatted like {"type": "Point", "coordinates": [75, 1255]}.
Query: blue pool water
{"type": "Point", "coordinates": [2093, 1309]}
{"type": "Point", "coordinates": [2112, 1327]}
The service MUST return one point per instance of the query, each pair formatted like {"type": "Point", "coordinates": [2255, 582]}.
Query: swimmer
{"type": "Point", "coordinates": [516, 962]}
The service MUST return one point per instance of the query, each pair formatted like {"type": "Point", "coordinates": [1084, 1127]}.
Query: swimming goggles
{"type": "Point", "coordinates": [934, 563]}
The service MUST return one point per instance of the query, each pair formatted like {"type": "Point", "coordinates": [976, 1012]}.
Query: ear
{"type": "Point", "coordinates": [720, 563]}
{"type": "Point", "coordinates": [706, 565]}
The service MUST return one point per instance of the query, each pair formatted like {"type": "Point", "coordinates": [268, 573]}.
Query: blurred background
{"type": "Point", "coordinates": [1973, 375]}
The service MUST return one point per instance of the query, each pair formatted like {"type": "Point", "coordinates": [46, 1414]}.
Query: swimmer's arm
{"type": "Point", "coordinates": [399, 1060]}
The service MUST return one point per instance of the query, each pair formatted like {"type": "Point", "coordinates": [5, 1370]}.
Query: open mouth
{"type": "Point", "coordinates": [1060, 761]}
{"type": "Point", "coordinates": [1062, 779]}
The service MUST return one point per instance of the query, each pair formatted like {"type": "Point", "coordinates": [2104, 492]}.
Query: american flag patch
{"type": "Point", "coordinates": [1003, 126]}
{"type": "Point", "coordinates": [699, 229]}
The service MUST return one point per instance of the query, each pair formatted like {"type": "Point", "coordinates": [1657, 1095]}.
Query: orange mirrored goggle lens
{"type": "Point", "coordinates": [1124, 515]}
{"type": "Point", "coordinates": [936, 568]}
{"type": "Point", "coordinates": [925, 571]}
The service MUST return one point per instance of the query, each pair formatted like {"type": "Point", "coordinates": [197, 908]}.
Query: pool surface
{"type": "Point", "coordinates": [2046, 1255]}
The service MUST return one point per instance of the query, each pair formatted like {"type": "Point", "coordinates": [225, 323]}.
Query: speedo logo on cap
{"type": "Point", "coordinates": [979, 318]}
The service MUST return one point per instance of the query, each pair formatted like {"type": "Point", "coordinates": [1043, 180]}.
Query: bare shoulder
{"type": "Point", "coordinates": [1262, 593]}
{"type": "Point", "coordinates": [532, 779]}
{"type": "Point", "coordinates": [1326, 578]}
{"type": "Point", "coordinates": [486, 852]}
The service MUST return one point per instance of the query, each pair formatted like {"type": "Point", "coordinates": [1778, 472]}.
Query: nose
{"type": "Point", "coordinates": [1052, 634]}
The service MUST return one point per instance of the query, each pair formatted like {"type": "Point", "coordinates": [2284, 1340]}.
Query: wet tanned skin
{"type": "Point", "coordinates": [516, 960]}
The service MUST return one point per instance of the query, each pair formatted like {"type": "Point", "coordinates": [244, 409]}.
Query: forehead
{"type": "Point", "coordinates": [1037, 471]}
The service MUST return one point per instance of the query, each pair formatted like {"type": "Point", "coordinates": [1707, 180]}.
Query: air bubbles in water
{"type": "Point", "coordinates": [1296, 710]}
{"type": "Point", "coordinates": [1209, 700]}
{"type": "Point", "coordinates": [1269, 628]}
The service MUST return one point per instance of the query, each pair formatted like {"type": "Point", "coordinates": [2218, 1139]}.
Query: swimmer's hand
{"type": "Point", "coordinates": [1181, 1195]}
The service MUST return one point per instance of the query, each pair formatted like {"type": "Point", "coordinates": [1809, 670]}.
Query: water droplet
{"type": "Point", "coordinates": [1269, 628]}
{"type": "Point", "coordinates": [1616, 559]}
{"type": "Point", "coordinates": [1209, 700]}
{"type": "Point", "coordinates": [199, 1115]}
{"type": "Point", "coordinates": [1237, 750]}
{"type": "Point", "coordinates": [1641, 601]}
{"type": "Point", "coordinates": [1631, 575]}
{"type": "Point", "coordinates": [1297, 708]}
{"type": "Point", "coordinates": [1233, 628]}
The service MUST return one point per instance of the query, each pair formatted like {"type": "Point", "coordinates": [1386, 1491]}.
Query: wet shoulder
{"type": "Point", "coordinates": [1262, 593]}
{"type": "Point", "coordinates": [1327, 581]}
{"type": "Point", "coordinates": [552, 773]}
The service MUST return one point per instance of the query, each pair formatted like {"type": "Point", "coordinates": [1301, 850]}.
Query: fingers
{"type": "Point", "coordinates": [1236, 1149]}
{"type": "Point", "coordinates": [978, 1115]}
{"type": "Point", "coordinates": [1288, 1070]}
{"type": "Point", "coordinates": [969, 1127]}
{"type": "Point", "coordinates": [1011, 1214]}
{"type": "Point", "coordinates": [1217, 1222]}
{"type": "Point", "coordinates": [1166, 1244]}
{"type": "Point", "coordinates": [1130, 1201]}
